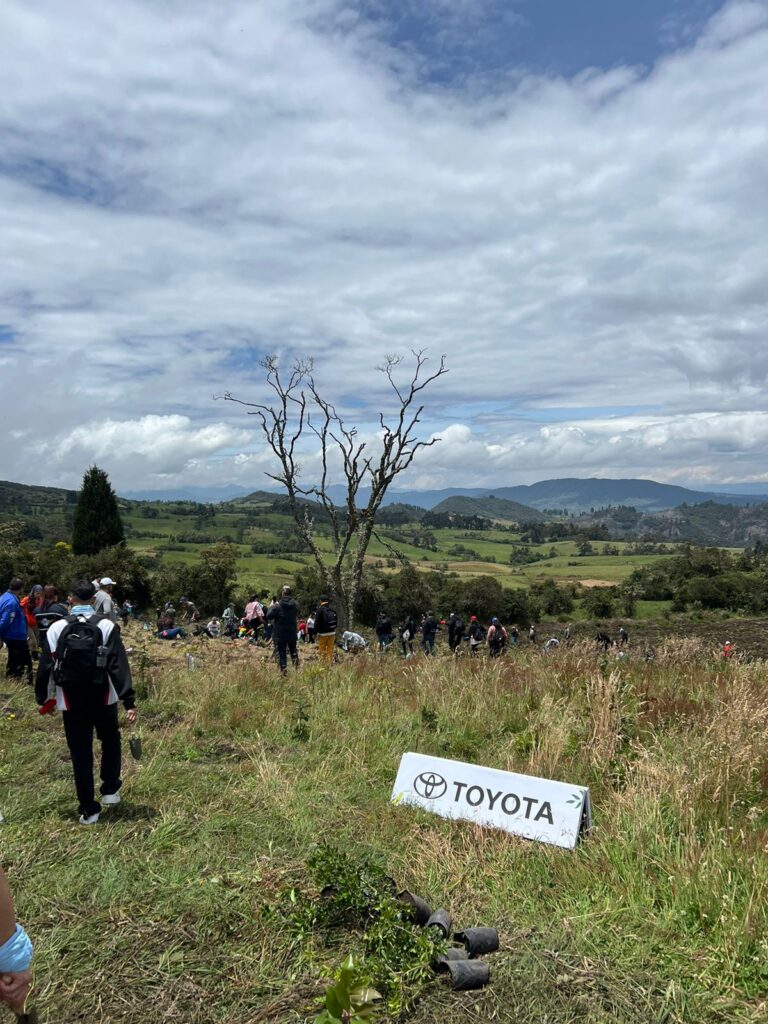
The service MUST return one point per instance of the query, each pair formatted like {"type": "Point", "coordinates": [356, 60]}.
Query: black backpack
{"type": "Point", "coordinates": [81, 654]}
{"type": "Point", "coordinates": [331, 619]}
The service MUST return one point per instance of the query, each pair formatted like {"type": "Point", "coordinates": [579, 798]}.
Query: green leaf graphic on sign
{"type": "Point", "coordinates": [575, 800]}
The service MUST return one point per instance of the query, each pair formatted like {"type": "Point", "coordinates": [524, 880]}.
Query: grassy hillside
{"type": "Point", "coordinates": [492, 508]}
{"type": "Point", "coordinates": [193, 902]}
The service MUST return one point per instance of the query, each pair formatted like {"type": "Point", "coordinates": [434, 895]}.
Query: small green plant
{"type": "Point", "coordinates": [356, 894]}
{"type": "Point", "coordinates": [300, 728]}
{"type": "Point", "coordinates": [349, 1000]}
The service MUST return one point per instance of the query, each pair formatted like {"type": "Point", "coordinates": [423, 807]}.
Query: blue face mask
{"type": "Point", "coordinates": [81, 609]}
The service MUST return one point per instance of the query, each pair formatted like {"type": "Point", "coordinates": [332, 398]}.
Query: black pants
{"type": "Point", "coordinates": [19, 660]}
{"type": "Point", "coordinates": [283, 646]}
{"type": "Point", "coordinates": [78, 728]}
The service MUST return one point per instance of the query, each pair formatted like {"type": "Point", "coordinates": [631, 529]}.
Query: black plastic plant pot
{"type": "Point", "coordinates": [441, 919]}
{"type": "Point", "coordinates": [479, 940]}
{"type": "Point", "coordinates": [420, 911]}
{"type": "Point", "coordinates": [466, 974]}
{"type": "Point", "coordinates": [134, 745]}
{"type": "Point", "coordinates": [454, 953]}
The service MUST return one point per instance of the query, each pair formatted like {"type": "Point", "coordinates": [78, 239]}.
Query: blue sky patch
{"type": "Point", "coordinates": [452, 40]}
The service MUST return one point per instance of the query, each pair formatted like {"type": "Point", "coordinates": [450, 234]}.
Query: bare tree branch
{"type": "Point", "coordinates": [296, 401]}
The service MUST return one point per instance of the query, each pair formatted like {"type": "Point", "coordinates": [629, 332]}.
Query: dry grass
{"type": "Point", "coordinates": [159, 912]}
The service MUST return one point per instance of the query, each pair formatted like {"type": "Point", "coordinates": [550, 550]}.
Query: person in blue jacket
{"type": "Point", "coordinates": [13, 633]}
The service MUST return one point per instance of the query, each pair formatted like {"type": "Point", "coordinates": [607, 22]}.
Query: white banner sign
{"type": "Point", "coordinates": [552, 812]}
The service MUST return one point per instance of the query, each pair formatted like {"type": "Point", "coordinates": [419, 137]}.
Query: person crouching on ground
{"type": "Point", "coordinates": [84, 661]}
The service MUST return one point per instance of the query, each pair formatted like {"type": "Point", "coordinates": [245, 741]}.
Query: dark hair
{"type": "Point", "coordinates": [83, 590]}
{"type": "Point", "coordinates": [324, 597]}
{"type": "Point", "coordinates": [50, 592]}
{"type": "Point", "coordinates": [287, 591]}
{"type": "Point", "coordinates": [15, 584]}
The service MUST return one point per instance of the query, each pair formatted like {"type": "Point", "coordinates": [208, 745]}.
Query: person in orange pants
{"type": "Point", "coordinates": [326, 622]}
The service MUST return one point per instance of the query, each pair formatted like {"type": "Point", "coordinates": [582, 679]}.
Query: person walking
{"type": "Point", "coordinates": [15, 954]}
{"type": "Point", "coordinates": [455, 631]}
{"type": "Point", "coordinates": [326, 622]}
{"type": "Point", "coordinates": [384, 631]}
{"type": "Point", "coordinates": [285, 621]}
{"type": "Point", "coordinates": [532, 634]}
{"type": "Point", "coordinates": [476, 636]}
{"type": "Point", "coordinates": [497, 638]}
{"type": "Point", "coordinates": [84, 663]}
{"type": "Point", "coordinates": [406, 632]}
{"type": "Point", "coordinates": [428, 633]}
{"type": "Point", "coordinates": [13, 632]}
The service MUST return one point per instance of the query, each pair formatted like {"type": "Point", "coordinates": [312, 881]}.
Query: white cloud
{"type": "Point", "coordinates": [152, 446]}
{"type": "Point", "coordinates": [735, 20]}
{"type": "Point", "coordinates": [193, 184]}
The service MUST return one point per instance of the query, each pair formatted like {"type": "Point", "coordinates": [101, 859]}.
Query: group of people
{"type": "Point", "coordinates": [26, 618]}
{"type": "Point", "coordinates": [495, 637]}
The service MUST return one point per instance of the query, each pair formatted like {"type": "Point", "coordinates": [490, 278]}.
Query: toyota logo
{"type": "Point", "coordinates": [430, 785]}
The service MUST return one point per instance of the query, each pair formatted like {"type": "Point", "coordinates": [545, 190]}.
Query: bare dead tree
{"type": "Point", "coordinates": [299, 409]}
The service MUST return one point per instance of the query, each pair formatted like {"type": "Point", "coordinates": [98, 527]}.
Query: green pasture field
{"type": "Point", "coordinates": [192, 901]}
{"type": "Point", "coordinates": [258, 524]}
{"type": "Point", "coordinates": [264, 570]}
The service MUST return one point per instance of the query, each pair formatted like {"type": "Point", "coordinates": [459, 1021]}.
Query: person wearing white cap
{"type": "Point", "coordinates": [102, 602]}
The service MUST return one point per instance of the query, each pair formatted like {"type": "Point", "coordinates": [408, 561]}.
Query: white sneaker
{"type": "Point", "coordinates": [89, 819]}
{"type": "Point", "coordinates": [110, 799]}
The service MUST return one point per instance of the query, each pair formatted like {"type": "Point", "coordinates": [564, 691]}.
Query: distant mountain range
{"type": "Point", "coordinates": [205, 495]}
{"type": "Point", "coordinates": [572, 495]}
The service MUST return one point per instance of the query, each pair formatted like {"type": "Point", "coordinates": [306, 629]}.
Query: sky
{"type": "Point", "coordinates": [566, 198]}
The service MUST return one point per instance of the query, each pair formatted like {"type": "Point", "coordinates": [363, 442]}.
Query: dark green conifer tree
{"type": "Point", "coordinates": [97, 523]}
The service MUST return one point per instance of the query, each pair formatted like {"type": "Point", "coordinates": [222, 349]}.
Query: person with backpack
{"type": "Point", "coordinates": [497, 638]}
{"type": "Point", "coordinates": [284, 617]}
{"type": "Point", "coordinates": [476, 634]}
{"type": "Point", "coordinates": [455, 631]}
{"type": "Point", "coordinates": [326, 622]}
{"type": "Point", "coordinates": [13, 633]}
{"type": "Point", "coordinates": [84, 665]}
{"type": "Point", "coordinates": [50, 611]}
